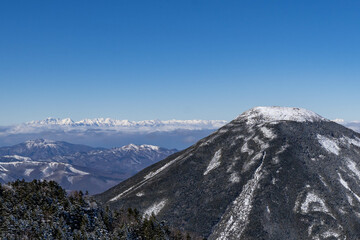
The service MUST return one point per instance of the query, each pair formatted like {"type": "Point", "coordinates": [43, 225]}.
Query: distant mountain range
{"type": "Point", "coordinates": [354, 125]}
{"type": "Point", "coordinates": [124, 125]}
{"type": "Point", "coordinates": [76, 167]}
{"type": "Point", "coordinates": [106, 132]}
{"type": "Point", "coordinates": [43, 150]}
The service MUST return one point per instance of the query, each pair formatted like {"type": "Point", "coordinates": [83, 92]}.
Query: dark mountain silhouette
{"type": "Point", "coordinates": [272, 173]}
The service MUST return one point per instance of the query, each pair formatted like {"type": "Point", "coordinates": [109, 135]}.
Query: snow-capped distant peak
{"type": "Point", "coordinates": [52, 121]}
{"type": "Point", "coordinates": [152, 147]}
{"type": "Point", "coordinates": [133, 147]}
{"type": "Point", "coordinates": [108, 122]}
{"type": "Point", "coordinates": [130, 147]}
{"type": "Point", "coordinates": [40, 143]}
{"type": "Point", "coordinates": [339, 120]}
{"type": "Point", "coordinates": [270, 114]}
{"type": "Point", "coordinates": [17, 157]}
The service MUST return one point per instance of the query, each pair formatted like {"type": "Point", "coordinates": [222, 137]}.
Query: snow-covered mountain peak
{"type": "Point", "coordinates": [126, 124]}
{"type": "Point", "coordinates": [53, 121]}
{"type": "Point", "coordinates": [40, 143]}
{"type": "Point", "coordinates": [133, 147]}
{"type": "Point", "coordinates": [130, 147]}
{"type": "Point", "coordinates": [67, 121]}
{"type": "Point", "coordinates": [151, 147]}
{"type": "Point", "coordinates": [272, 114]}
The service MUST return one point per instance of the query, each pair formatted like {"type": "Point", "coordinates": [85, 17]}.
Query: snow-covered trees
{"type": "Point", "coordinates": [43, 210]}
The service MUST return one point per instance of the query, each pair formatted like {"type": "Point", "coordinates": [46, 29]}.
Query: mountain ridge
{"type": "Point", "coordinates": [108, 122]}
{"type": "Point", "coordinates": [76, 167]}
{"type": "Point", "coordinates": [112, 133]}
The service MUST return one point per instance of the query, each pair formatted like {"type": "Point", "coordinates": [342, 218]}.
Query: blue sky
{"type": "Point", "coordinates": [141, 60]}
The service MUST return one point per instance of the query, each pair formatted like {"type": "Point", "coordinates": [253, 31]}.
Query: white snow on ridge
{"type": "Point", "coordinates": [139, 147]}
{"type": "Point", "coordinates": [214, 163]}
{"type": "Point", "coordinates": [40, 143]}
{"type": "Point", "coordinates": [3, 169]}
{"type": "Point", "coordinates": [328, 144]}
{"type": "Point", "coordinates": [152, 174]}
{"type": "Point", "coordinates": [235, 222]}
{"type": "Point", "coordinates": [151, 147]}
{"type": "Point", "coordinates": [15, 164]}
{"type": "Point", "coordinates": [74, 170]}
{"type": "Point", "coordinates": [270, 114]}
{"type": "Point", "coordinates": [121, 194]}
{"type": "Point", "coordinates": [17, 157]}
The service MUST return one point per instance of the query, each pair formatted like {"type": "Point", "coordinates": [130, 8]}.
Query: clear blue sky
{"type": "Point", "coordinates": [177, 59]}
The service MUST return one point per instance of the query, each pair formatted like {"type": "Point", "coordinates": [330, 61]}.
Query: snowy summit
{"type": "Point", "coordinates": [272, 114]}
{"type": "Point", "coordinates": [40, 143]}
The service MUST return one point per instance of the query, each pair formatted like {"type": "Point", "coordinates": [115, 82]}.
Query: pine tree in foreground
{"type": "Point", "coordinates": [43, 210]}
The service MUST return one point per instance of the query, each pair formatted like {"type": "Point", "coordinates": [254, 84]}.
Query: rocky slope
{"type": "Point", "coordinates": [272, 173]}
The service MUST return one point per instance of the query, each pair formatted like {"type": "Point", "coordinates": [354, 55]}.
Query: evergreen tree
{"type": "Point", "coordinates": [42, 210]}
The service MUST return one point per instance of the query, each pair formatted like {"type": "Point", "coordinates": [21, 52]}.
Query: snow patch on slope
{"type": "Point", "coordinates": [328, 144]}
{"type": "Point", "coordinates": [155, 208]}
{"type": "Point", "coordinates": [17, 157]}
{"type": "Point", "coordinates": [234, 223]}
{"type": "Point", "coordinates": [330, 233]}
{"type": "Point", "coordinates": [346, 185]}
{"type": "Point", "coordinates": [350, 141]}
{"type": "Point", "coordinates": [268, 133]}
{"type": "Point", "coordinates": [234, 178]}
{"type": "Point", "coordinates": [214, 163]}
{"type": "Point", "coordinates": [28, 172]}
{"type": "Point", "coordinates": [245, 149]}
{"type": "Point", "coordinates": [352, 166]}
{"type": "Point", "coordinates": [140, 194]}
{"type": "Point", "coordinates": [282, 149]}
{"type": "Point", "coordinates": [309, 206]}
